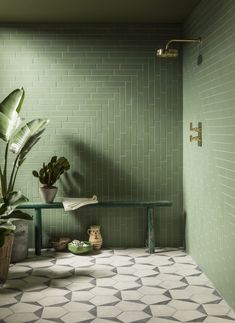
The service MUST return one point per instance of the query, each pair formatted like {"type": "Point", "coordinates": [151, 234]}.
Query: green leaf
{"type": "Point", "coordinates": [27, 136]}
{"type": "Point", "coordinates": [10, 202]}
{"type": "Point", "coordinates": [35, 173]}
{"type": "Point", "coordinates": [17, 214]}
{"type": "Point", "coordinates": [9, 114]}
{"type": "Point", "coordinates": [53, 159]}
{"type": "Point", "coordinates": [6, 226]}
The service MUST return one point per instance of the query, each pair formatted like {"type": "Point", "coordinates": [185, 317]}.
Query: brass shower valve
{"type": "Point", "coordinates": [197, 129]}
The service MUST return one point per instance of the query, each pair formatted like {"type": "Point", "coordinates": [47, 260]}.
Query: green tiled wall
{"type": "Point", "coordinates": [209, 171]}
{"type": "Point", "coordinates": [116, 114]}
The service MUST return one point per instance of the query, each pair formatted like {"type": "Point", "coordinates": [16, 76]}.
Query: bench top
{"type": "Point", "coordinates": [103, 204]}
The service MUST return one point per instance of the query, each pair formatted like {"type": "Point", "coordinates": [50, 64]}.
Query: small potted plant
{"type": "Point", "coordinates": [49, 174]}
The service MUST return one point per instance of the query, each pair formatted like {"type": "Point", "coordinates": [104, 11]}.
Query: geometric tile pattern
{"type": "Point", "coordinates": [127, 285]}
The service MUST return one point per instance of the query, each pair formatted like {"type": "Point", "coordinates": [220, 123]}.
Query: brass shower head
{"type": "Point", "coordinates": [169, 53]}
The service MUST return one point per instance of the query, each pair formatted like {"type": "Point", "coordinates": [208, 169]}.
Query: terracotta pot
{"type": "Point", "coordinates": [48, 194]}
{"type": "Point", "coordinates": [95, 237]}
{"type": "Point", "coordinates": [5, 257]}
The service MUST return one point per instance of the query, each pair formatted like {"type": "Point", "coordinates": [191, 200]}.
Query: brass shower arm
{"type": "Point", "coordinates": [193, 40]}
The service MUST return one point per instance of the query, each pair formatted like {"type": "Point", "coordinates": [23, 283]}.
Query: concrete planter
{"type": "Point", "coordinates": [5, 257]}
{"type": "Point", "coordinates": [48, 194]}
{"type": "Point", "coordinates": [20, 244]}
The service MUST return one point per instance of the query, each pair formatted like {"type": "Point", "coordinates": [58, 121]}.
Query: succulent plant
{"type": "Point", "coordinates": [51, 172]}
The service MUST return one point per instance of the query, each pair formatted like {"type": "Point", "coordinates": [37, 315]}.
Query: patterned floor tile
{"type": "Point", "coordinates": [5, 312]}
{"type": "Point", "coordinates": [133, 316]}
{"type": "Point", "coordinates": [108, 311]}
{"type": "Point", "coordinates": [21, 318]}
{"type": "Point", "coordinates": [162, 310]}
{"type": "Point", "coordinates": [75, 317]}
{"type": "Point", "coordinates": [131, 295]}
{"type": "Point", "coordinates": [53, 312]}
{"type": "Point", "coordinates": [126, 285]}
{"type": "Point", "coordinates": [104, 300]}
{"type": "Point", "coordinates": [185, 316]}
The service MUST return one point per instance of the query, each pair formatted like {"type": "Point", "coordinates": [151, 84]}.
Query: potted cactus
{"type": "Point", "coordinates": [49, 174]}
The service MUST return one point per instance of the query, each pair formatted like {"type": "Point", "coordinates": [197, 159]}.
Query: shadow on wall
{"type": "Point", "coordinates": [95, 173]}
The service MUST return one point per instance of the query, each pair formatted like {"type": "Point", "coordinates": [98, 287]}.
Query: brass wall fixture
{"type": "Point", "coordinates": [198, 129]}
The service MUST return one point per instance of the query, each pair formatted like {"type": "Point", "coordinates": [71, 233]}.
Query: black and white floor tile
{"type": "Point", "coordinates": [111, 286]}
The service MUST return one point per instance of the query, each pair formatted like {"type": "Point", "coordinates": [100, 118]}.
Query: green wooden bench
{"type": "Point", "coordinates": [149, 206]}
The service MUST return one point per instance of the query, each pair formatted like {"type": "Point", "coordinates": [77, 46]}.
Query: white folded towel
{"type": "Point", "coordinates": [71, 204]}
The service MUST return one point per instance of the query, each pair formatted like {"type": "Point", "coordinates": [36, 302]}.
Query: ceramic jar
{"type": "Point", "coordinates": [95, 237]}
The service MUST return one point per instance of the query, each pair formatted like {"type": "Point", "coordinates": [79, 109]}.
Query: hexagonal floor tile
{"type": "Point", "coordinates": [53, 312]}
{"type": "Point", "coordinates": [21, 318]}
{"type": "Point", "coordinates": [18, 272]}
{"type": "Point", "coordinates": [213, 319]}
{"type": "Point", "coordinates": [131, 306]}
{"type": "Point", "coordinates": [59, 282]}
{"type": "Point", "coordinates": [128, 270]}
{"type": "Point", "coordinates": [24, 308]}
{"type": "Point", "coordinates": [154, 299]}
{"type": "Point", "coordinates": [145, 273]}
{"type": "Point", "coordinates": [51, 292]}
{"type": "Point", "coordinates": [77, 306]}
{"type": "Point", "coordinates": [180, 294]}
{"type": "Point", "coordinates": [53, 300]}
{"type": "Point", "coordinates": [162, 310]}
{"type": "Point", "coordinates": [102, 273]}
{"type": "Point", "coordinates": [126, 285]}
{"type": "Point", "coordinates": [216, 309]}
{"type": "Point", "coordinates": [204, 298]}
{"type": "Point", "coordinates": [29, 296]}
{"type": "Point", "coordinates": [5, 312]}
{"type": "Point", "coordinates": [54, 271]}
{"type": "Point", "coordinates": [105, 281]}
{"type": "Point", "coordinates": [185, 316]}
{"type": "Point", "coordinates": [82, 296]}
{"type": "Point", "coordinates": [104, 300]}
{"type": "Point", "coordinates": [75, 317]}
{"type": "Point", "coordinates": [7, 301]}
{"type": "Point", "coordinates": [103, 291]}
{"type": "Point", "coordinates": [132, 316]}
{"type": "Point", "coordinates": [183, 305]}
{"type": "Point", "coordinates": [147, 290]}
{"type": "Point", "coordinates": [79, 286]}
{"type": "Point", "coordinates": [171, 284]}
{"type": "Point", "coordinates": [131, 295]}
{"type": "Point", "coordinates": [108, 311]}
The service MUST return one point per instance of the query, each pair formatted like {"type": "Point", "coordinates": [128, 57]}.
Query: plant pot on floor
{"type": "Point", "coordinates": [20, 244]}
{"type": "Point", "coordinates": [5, 257]}
{"type": "Point", "coordinates": [48, 193]}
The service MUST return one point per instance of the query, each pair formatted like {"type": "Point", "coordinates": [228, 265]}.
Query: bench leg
{"type": "Point", "coordinates": [38, 231]}
{"type": "Point", "coordinates": [151, 240]}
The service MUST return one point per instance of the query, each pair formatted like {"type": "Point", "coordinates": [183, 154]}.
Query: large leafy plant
{"type": "Point", "coordinates": [19, 138]}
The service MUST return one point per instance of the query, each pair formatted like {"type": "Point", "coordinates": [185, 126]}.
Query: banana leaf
{"type": "Point", "coordinates": [9, 114]}
{"type": "Point", "coordinates": [17, 214]}
{"type": "Point", "coordinates": [10, 202]}
{"type": "Point", "coordinates": [27, 136]}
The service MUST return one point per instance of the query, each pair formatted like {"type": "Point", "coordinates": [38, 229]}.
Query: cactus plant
{"type": "Point", "coordinates": [51, 172]}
